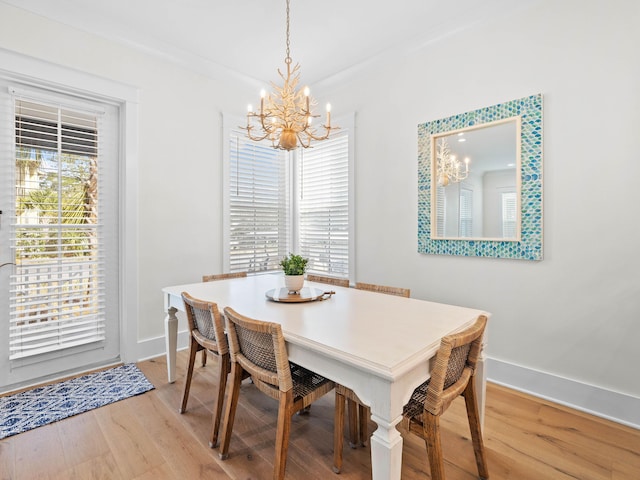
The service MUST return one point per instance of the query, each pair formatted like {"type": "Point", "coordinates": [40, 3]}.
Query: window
{"type": "Point", "coordinates": [509, 215]}
{"type": "Point", "coordinates": [466, 212]}
{"type": "Point", "coordinates": [258, 214]}
{"type": "Point", "coordinates": [278, 202]}
{"type": "Point", "coordinates": [58, 289]}
{"type": "Point", "coordinates": [323, 206]}
{"type": "Point", "coordinates": [441, 208]}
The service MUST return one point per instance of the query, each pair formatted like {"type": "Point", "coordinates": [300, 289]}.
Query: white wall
{"type": "Point", "coordinates": [576, 314]}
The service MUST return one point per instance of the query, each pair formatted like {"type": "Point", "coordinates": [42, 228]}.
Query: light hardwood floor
{"type": "Point", "coordinates": [146, 438]}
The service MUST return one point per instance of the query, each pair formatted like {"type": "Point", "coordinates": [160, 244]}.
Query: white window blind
{"type": "Point", "coordinates": [323, 227]}
{"type": "Point", "coordinates": [258, 205]}
{"type": "Point", "coordinates": [57, 292]}
{"type": "Point", "coordinates": [441, 208]}
{"type": "Point", "coordinates": [509, 214]}
{"type": "Point", "coordinates": [466, 212]}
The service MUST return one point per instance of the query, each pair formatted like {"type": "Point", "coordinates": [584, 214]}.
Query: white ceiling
{"type": "Point", "coordinates": [247, 37]}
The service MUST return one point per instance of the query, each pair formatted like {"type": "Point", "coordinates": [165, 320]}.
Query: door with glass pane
{"type": "Point", "coordinates": [59, 235]}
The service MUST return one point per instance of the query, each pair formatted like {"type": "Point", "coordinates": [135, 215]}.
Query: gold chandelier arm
{"type": "Point", "coordinates": [248, 128]}
{"type": "Point", "coordinates": [328, 129]}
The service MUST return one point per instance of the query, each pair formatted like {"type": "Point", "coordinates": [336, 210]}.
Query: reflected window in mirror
{"type": "Point", "coordinates": [474, 167]}
{"type": "Point", "coordinates": [480, 182]}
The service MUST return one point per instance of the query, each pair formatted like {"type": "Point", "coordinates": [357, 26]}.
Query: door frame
{"type": "Point", "coordinates": [42, 74]}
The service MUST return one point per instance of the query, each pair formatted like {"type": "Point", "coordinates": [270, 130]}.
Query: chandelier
{"type": "Point", "coordinates": [285, 115]}
{"type": "Point", "coordinates": [448, 168]}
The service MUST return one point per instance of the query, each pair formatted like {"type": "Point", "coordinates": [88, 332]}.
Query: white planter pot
{"type": "Point", "coordinates": [294, 283]}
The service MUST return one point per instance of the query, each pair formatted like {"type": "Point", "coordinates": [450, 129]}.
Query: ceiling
{"type": "Point", "coordinates": [247, 37]}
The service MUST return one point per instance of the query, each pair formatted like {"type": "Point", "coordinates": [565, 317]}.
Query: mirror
{"type": "Point", "coordinates": [476, 191]}
{"type": "Point", "coordinates": [490, 205]}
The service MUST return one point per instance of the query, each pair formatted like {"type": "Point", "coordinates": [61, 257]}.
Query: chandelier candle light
{"type": "Point", "coordinates": [285, 115]}
{"type": "Point", "coordinates": [449, 168]}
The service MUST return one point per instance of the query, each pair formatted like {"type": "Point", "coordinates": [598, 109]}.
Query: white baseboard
{"type": "Point", "coordinates": [618, 407]}
{"type": "Point", "coordinates": [154, 347]}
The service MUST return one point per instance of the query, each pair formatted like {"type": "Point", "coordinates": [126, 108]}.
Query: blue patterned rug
{"type": "Point", "coordinates": [43, 405]}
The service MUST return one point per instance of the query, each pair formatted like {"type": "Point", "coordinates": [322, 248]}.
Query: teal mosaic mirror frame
{"type": "Point", "coordinates": [529, 247]}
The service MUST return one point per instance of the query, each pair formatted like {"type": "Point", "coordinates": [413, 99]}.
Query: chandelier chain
{"type": "Point", "coordinates": [287, 60]}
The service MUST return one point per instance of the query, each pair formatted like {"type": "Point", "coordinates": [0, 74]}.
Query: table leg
{"type": "Point", "coordinates": [386, 450]}
{"type": "Point", "coordinates": [171, 339]}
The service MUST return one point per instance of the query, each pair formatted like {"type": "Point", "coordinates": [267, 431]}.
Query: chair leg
{"type": "Point", "coordinates": [363, 420]}
{"type": "Point", "coordinates": [224, 365]}
{"type": "Point", "coordinates": [431, 428]}
{"type": "Point", "coordinates": [338, 433]}
{"type": "Point", "coordinates": [193, 349]}
{"type": "Point", "coordinates": [474, 425]}
{"type": "Point", "coordinates": [230, 410]}
{"type": "Point", "coordinates": [204, 358]}
{"type": "Point", "coordinates": [304, 410]}
{"type": "Point", "coordinates": [352, 410]}
{"type": "Point", "coordinates": [282, 434]}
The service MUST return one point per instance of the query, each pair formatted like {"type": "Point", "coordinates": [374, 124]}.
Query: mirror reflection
{"type": "Point", "coordinates": [476, 186]}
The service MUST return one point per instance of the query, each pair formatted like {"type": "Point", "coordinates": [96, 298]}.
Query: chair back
{"type": "Point", "coordinates": [339, 282]}
{"type": "Point", "coordinates": [259, 347]}
{"type": "Point", "coordinates": [205, 323]}
{"type": "Point", "coordinates": [400, 292]}
{"type": "Point", "coordinates": [454, 367]}
{"type": "Point", "coordinates": [223, 276]}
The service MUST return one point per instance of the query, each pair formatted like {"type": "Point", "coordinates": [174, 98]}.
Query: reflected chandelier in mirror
{"type": "Point", "coordinates": [480, 182]}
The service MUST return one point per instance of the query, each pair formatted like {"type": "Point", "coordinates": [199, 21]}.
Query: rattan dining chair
{"type": "Point", "coordinates": [206, 334]}
{"type": "Point", "coordinates": [259, 348]}
{"type": "Point", "coordinates": [453, 374]}
{"type": "Point", "coordinates": [223, 276]}
{"type": "Point", "coordinates": [358, 413]}
{"type": "Point", "coordinates": [213, 278]}
{"type": "Point", "coordinates": [401, 292]}
{"type": "Point", "coordinates": [340, 282]}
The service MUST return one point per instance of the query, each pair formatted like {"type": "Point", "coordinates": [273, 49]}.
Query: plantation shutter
{"type": "Point", "coordinates": [57, 294]}
{"type": "Point", "coordinates": [324, 205]}
{"type": "Point", "coordinates": [509, 214]}
{"type": "Point", "coordinates": [441, 208]}
{"type": "Point", "coordinates": [466, 212]}
{"type": "Point", "coordinates": [258, 205]}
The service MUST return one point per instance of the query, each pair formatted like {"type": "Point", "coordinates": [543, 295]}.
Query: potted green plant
{"type": "Point", "coordinates": [294, 267]}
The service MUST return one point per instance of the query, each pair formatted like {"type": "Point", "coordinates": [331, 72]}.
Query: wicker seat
{"type": "Point", "coordinates": [340, 282]}
{"type": "Point", "coordinates": [358, 412]}
{"type": "Point", "coordinates": [206, 334]}
{"type": "Point", "coordinates": [259, 348]}
{"type": "Point", "coordinates": [213, 278]}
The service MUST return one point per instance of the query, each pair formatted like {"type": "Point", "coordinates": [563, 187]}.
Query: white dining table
{"type": "Point", "coordinates": [378, 345]}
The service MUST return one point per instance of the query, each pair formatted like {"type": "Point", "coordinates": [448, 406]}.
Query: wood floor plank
{"type": "Point", "coordinates": [180, 449]}
{"type": "Point", "coordinates": [134, 449]}
{"type": "Point", "coordinates": [81, 439]}
{"type": "Point", "coordinates": [7, 459]}
{"type": "Point", "coordinates": [145, 437]}
{"type": "Point", "coordinates": [38, 453]}
{"type": "Point", "coordinates": [103, 466]}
